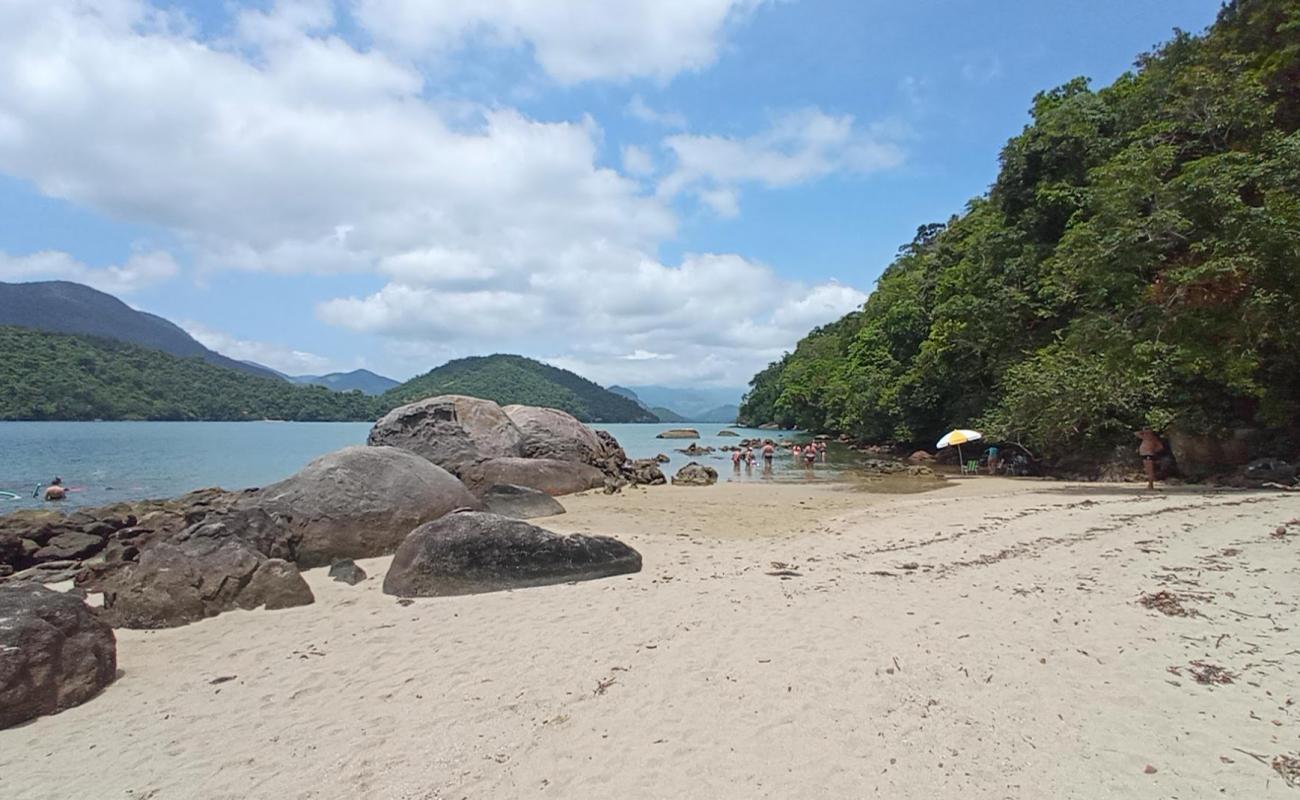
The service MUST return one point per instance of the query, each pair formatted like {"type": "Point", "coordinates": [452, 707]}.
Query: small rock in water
{"type": "Point", "coordinates": [346, 570]}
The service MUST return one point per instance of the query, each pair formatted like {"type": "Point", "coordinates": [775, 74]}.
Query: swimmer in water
{"type": "Point", "coordinates": [55, 490]}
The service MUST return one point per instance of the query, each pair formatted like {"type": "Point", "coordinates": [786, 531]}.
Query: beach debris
{"type": "Point", "coordinates": [1206, 673]}
{"type": "Point", "coordinates": [603, 685]}
{"type": "Point", "coordinates": [1168, 603]}
{"type": "Point", "coordinates": [1150, 770]}
{"type": "Point", "coordinates": [785, 574]}
{"type": "Point", "coordinates": [405, 601]}
{"type": "Point", "coordinates": [911, 565]}
{"type": "Point", "coordinates": [222, 679]}
{"type": "Point", "coordinates": [1288, 766]}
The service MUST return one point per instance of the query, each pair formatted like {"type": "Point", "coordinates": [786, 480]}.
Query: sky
{"type": "Point", "coordinates": [661, 192]}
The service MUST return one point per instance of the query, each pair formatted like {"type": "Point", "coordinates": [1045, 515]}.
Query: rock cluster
{"type": "Point", "coordinates": [56, 653]}
{"type": "Point", "coordinates": [695, 474]}
{"type": "Point", "coordinates": [199, 573]}
{"type": "Point", "coordinates": [486, 445]}
{"type": "Point", "coordinates": [32, 540]}
{"type": "Point", "coordinates": [471, 552]}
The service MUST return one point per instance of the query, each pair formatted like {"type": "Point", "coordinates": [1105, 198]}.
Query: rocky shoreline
{"type": "Point", "coordinates": [171, 562]}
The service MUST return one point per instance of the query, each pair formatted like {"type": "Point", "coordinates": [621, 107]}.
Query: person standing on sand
{"type": "Point", "coordinates": [993, 460]}
{"type": "Point", "coordinates": [1150, 451]}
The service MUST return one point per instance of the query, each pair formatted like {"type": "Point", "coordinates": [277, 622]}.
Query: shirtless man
{"type": "Point", "coordinates": [1150, 451]}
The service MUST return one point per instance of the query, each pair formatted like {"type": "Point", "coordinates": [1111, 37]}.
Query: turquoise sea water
{"type": "Point", "coordinates": [103, 462]}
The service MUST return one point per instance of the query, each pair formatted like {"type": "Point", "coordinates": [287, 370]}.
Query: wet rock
{"type": "Point", "coordinates": [727, 433]}
{"type": "Point", "coordinates": [543, 474]}
{"type": "Point", "coordinates": [920, 457]}
{"type": "Point", "coordinates": [452, 431]}
{"type": "Point", "coordinates": [679, 433]}
{"type": "Point", "coordinates": [473, 552]}
{"type": "Point", "coordinates": [695, 474]}
{"type": "Point", "coordinates": [56, 653]}
{"type": "Point", "coordinates": [346, 571]}
{"type": "Point", "coordinates": [520, 502]}
{"type": "Point", "coordinates": [48, 572]}
{"type": "Point", "coordinates": [662, 458]}
{"type": "Point", "coordinates": [357, 502]}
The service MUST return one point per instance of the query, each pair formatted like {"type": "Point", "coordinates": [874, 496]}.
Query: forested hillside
{"type": "Point", "coordinates": [66, 307]}
{"type": "Point", "coordinates": [514, 379]}
{"type": "Point", "coordinates": [54, 376]}
{"type": "Point", "coordinates": [1136, 261]}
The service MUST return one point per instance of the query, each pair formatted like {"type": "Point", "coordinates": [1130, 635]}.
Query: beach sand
{"type": "Point", "coordinates": [984, 640]}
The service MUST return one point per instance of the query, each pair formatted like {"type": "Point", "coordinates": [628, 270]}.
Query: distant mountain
{"type": "Point", "coordinates": [65, 307]}
{"type": "Point", "coordinates": [693, 404]}
{"type": "Point", "coordinates": [668, 415]}
{"type": "Point", "coordinates": [623, 391]}
{"type": "Point", "coordinates": [362, 380]}
{"type": "Point", "coordinates": [726, 414]}
{"type": "Point", "coordinates": [515, 379]}
{"type": "Point", "coordinates": [74, 377]}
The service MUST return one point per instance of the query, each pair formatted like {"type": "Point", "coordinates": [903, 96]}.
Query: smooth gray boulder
{"type": "Point", "coordinates": [551, 433]}
{"type": "Point", "coordinates": [200, 573]}
{"type": "Point", "coordinates": [360, 502]}
{"type": "Point", "coordinates": [54, 652]}
{"type": "Point", "coordinates": [543, 474]}
{"type": "Point", "coordinates": [471, 552]}
{"type": "Point", "coordinates": [679, 433]}
{"type": "Point", "coordinates": [520, 502]}
{"type": "Point", "coordinates": [452, 431]}
{"type": "Point", "coordinates": [695, 474]}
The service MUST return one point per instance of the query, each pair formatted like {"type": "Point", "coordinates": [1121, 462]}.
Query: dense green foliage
{"type": "Point", "coordinates": [1136, 261]}
{"type": "Point", "coordinates": [514, 379]}
{"type": "Point", "coordinates": [54, 376]}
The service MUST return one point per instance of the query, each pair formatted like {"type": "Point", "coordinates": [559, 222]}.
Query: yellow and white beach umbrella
{"type": "Point", "coordinates": [958, 438]}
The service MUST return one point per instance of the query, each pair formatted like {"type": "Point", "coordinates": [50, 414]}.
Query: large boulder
{"type": "Point", "coordinates": [695, 474]}
{"type": "Point", "coordinates": [360, 502]}
{"type": "Point", "coordinates": [679, 433]}
{"type": "Point", "coordinates": [200, 573]}
{"type": "Point", "coordinates": [452, 431]}
{"type": "Point", "coordinates": [54, 652]}
{"type": "Point", "coordinates": [543, 474]}
{"type": "Point", "coordinates": [474, 552]}
{"type": "Point", "coordinates": [520, 502]}
{"type": "Point", "coordinates": [551, 433]}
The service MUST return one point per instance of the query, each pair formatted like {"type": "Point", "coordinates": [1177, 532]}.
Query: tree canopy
{"type": "Point", "coordinates": [1137, 261]}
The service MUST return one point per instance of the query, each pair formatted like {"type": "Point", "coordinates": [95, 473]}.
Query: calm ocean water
{"type": "Point", "coordinates": [103, 462]}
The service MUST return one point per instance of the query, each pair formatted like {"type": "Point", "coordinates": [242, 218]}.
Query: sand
{"type": "Point", "coordinates": [985, 640]}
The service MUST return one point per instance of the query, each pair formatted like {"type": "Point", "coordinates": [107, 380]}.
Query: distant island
{"type": "Point", "coordinates": [1135, 263]}
{"type": "Point", "coordinates": [62, 376]}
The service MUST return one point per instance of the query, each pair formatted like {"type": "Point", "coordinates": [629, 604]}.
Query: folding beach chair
{"type": "Point", "coordinates": [971, 467]}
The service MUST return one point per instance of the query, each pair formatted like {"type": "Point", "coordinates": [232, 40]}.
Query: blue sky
{"type": "Point", "coordinates": [672, 192]}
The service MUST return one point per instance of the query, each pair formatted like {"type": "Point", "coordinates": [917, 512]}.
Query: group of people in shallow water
{"type": "Point", "coordinates": [808, 454]}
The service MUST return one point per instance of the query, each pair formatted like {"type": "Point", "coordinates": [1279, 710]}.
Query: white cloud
{"type": "Point", "coordinates": [289, 150]}
{"type": "Point", "coordinates": [140, 271]}
{"type": "Point", "coordinates": [638, 109]}
{"type": "Point", "coordinates": [982, 68]}
{"type": "Point", "coordinates": [572, 40]}
{"type": "Point", "coordinates": [275, 356]}
{"type": "Point", "coordinates": [638, 161]}
{"type": "Point", "coordinates": [797, 148]}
